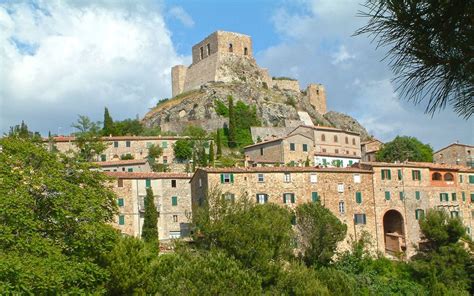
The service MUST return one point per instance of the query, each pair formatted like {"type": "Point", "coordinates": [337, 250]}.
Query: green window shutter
{"type": "Point", "coordinates": [460, 178]}
{"type": "Point", "coordinates": [401, 195]}
{"type": "Point", "coordinates": [463, 194]}
{"type": "Point", "coordinates": [387, 195]}
{"type": "Point", "coordinates": [292, 198]}
{"type": "Point", "coordinates": [120, 202]}
{"type": "Point", "coordinates": [314, 196]}
{"type": "Point", "coordinates": [399, 174]}
{"type": "Point", "coordinates": [222, 178]}
{"type": "Point", "coordinates": [416, 215]}
{"type": "Point", "coordinates": [358, 197]}
{"type": "Point", "coordinates": [453, 196]}
{"type": "Point", "coordinates": [472, 197]}
{"type": "Point", "coordinates": [293, 220]}
{"type": "Point", "coordinates": [446, 196]}
{"type": "Point", "coordinates": [471, 179]}
{"type": "Point", "coordinates": [130, 170]}
{"type": "Point", "coordinates": [148, 183]}
{"type": "Point", "coordinates": [364, 219]}
{"type": "Point", "coordinates": [413, 174]}
{"type": "Point", "coordinates": [440, 197]}
{"type": "Point", "coordinates": [417, 195]}
{"type": "Point", "coordinates": [390, 174]}
{"type": "Point", "coordinates": [383, 175]}
{"type": "Point", "coordinates": [231, 178]}
{"type": "Point", "coordinates": [103, 157]}
{"type": "Point", "coordinates": [174, 200]}
{"type": "Point", "coordinates": [121, 220]}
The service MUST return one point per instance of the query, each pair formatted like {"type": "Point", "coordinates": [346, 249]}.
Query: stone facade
{"type": "Point", "coordinates": [369, 149]}
{"type": "Point", "coordinates": [172, 198]}
{"type": "Point", "coordinates": [137, 146]}
{"type": "Point", "coordinates": [317, 97]}
{"type": "Point", "coordinates": [133, 165]}
{"type": "Point", "coordinates": [455, 154]}
{"type": "Point", "coordinates": [324, 146]}
{"type": "Point", "coordinates": [286, 84]}
{"type": "Point", "coordinates": [393, 197]}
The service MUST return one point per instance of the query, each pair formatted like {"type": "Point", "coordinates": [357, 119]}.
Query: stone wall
{"type": "Point", "coordinates": [201, 72]}
{"type": "Point", "coordinates": [178, 78]}
{"type": "Point", "coordinates": [455, 154]}
{"type": "Point", "coordinates": [208, 124]}
{"type": "Point", "coordinates": [285, 84]}
{"type": "Point", "coordinates": [268, 133]}
{"type": "Point", "coordinates": [270, 152]}
{"type": "Point", "coordinates": [317, 97]}
{"type": "Point", "coordinates": [209, 47]}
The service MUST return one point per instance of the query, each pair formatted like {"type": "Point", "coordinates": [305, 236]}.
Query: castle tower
{"type": "Point", "coordinates": [317, 97]}
{"type": "Point", "coordinates": [178, 77]}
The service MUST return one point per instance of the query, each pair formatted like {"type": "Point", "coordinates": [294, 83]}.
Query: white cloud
{"type": "Point", "coordinates": [181, 15]}
{"type": "Point", "coordinates": [316, 38]}
{"type": "Point", "coordinates": [59, 60]}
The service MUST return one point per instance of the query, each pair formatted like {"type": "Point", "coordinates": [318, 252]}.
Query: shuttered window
{"type": "Point", "coordinates": [471, 179]}
{"type": "Point", "coordinates": [121, 220]}
{"type": "Point", "coordinates": [387, 195]}
{"type": "Point", "coordinates": [463, 194]}
{"type": "Point", "coordinates": [416, 175]}
{"type": "Point", "coordinates": [386, 175]}
{"type": "Point", "coordinates": [443, 197]}
{"type": "Point", "coordinates": [358, 197]}
{"type": "Point", "coordinates": [399, 172]}
{"type": "Point", "coordinates": [453, 196]}
{"type": "Point", "coordinates": [147, 183]}
{"type": "Point", "coordinates": [120, 202]}
{"type": "Point", "coordinates": [262, 198]}
{"type": "Point", "coordinates": [227, 178]}
{"type": "Point", "coordinates": [314, 196]}
{"type": "Point", "coordinates": [288, 198]}
{"type": "Point", "coordinates": [417, 195]}
{"type": "Point", "coordinates": [174, 200]}
{"type": "Point", "coordinates": [360, 219]}
{"type": "Point", "coordinates": [419, 214]}
{"type": "Point", "coordinates": [402, 195]}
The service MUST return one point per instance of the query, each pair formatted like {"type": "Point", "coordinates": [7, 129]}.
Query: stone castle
{"type": "Point", "coordinates": [211, 54]}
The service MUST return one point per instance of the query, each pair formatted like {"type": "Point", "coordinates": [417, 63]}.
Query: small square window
{"type": "Point", "coordinates": [305, 147]}
{"type": "Point", "coordinates": [116, 144]}
{"type": "Point", "coordinates": [292, 147]}
{"type": "Point", "coordinates": [359, 219]}
{"type": "Point", "coordinates": [120, 183]}
{"type": "Point", "coordinates": [127, 144]}
{"type": "Point", "coordinates": [340, 187]}
{"type": "Point", "coordinates": [313, 178]}
{"type": "Point", "coordinates": [287, 177]}
{"type": "Point", "coordinates": [175, 218]}
{"type": "Point", "coordinates": [173, 183]}
{"type": "Point", "coordinates": [356, 178]}
{"type": "Point", "coordinates": [260, 178]}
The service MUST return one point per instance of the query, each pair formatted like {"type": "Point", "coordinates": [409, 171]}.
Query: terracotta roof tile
{"type": "Point", "coordinates": [413, 164]}
{"type": "Point", "coordinates": [147, 175]}
{"type": "Point", "coordinates": [284, 169]}
{"type": "Point", "coordinates": [118, 138]}
{"type": "Point", "coordinates": [121, 162]}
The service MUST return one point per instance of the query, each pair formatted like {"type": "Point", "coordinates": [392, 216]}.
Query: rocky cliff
{"type": "Point", "coordinates": [244, 81]}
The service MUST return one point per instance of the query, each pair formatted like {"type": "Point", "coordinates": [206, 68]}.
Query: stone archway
{"type": "Point", "coordinates": [394, 234]}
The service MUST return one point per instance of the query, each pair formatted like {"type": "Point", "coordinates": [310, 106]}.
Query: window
{"type": "Point", "coordinates": [342, 207]}
{"type": "Point", "coordinates": [336, 151]}
{"type": "Point", "coordinates": [174, 200]}
{"type": "Point", "coordinates": [350, 161]}
{"type": "Point", "coordinates": [121, 220]}
{"type": "Point", "coordinates": [292, 147]}
{"type": "Point", "coordinates": [313, 178]}
{"type": "Point", "coordinates": [201, 52]}
{"type": "Point", "coordinates": [127, 144]}
{"type": "Point", "coordinates": [347, 140]}
{"type": "Point", "coordinates": [103, 157]}
{"type": "Point", "coordinates": [419, 214]}
{"type": "Point", "coordinates": [260, 178]}
{"type": "Point", "coordinates": [358, 197]}
{"type": "Point", "coordinates": [208, 46]}
{"type": "Point", "coordinates": [356, 178]}
{"type": "Point", "coordinates": [130, 170]}
{"type": "Point", "coordinates": [164, 144]}
{"type": "Point", "coordinates": [173, 183]}
{"type": "Point", "coordinates": [246, 51]}
{"type": "Point", "coordinates": [417, 195]}
{"type": "Point", "coordinates": [436, 177]}
{"type": "Point", "coordinates": [443, 197]}
{"type": "Point", "coordinates": [200, 183]}
{"type": "Point", "coordinates": [323, 138]}
{"type": "Point", "coordinates": [305, 147]}
{"type": "Point", "coordinates": [175, 234]}
{"type": "Point", "coordinates": [288, 198]}
{"type": "Point", "coordinates": [262, 198]}
{"type": "Point", "coordinates": [448, 177]}
{"type": "Point", "coordinates": [287, 177]}
{"type": "Point", "coordinates": [353, 141]}
{"type": "Point", "coordinates": [115, 144]}
{"type": "Point", "coordinates": [359, 219]}
{"type": "Point", "coordinates": [231, 49]}
{"type": "Point", "coordinates": [120, 202]}
{"type": "Point", "coordinates": [123, 169]}
{"type": "Point", "coordinates": [453, 196]}
{"type": "Point", "coordinates": [261, 151]}
{"type": "Point", "coordinates": [454, 214]}
{"type": "Point", "coordinates": [228, 196]}
{"type": "Point", "coordinates": [120, 183]}
{"type": "Point", "coordinates": [335, 139]}
{"type": "Point", "coordinates": [147, 183]}
{"type": "Point", "coordinates": [175, 218]}
{"type": "Point", "coordinates": [387, 195]}
{"type": "Point", "coordinates": [165, 159]}
{"type": "Point", "coordinates": [402, 195]}
{"type": "Point", "coordinates": [314, 197]}
{"type": "Point", "coordinates": [399, 172]}
{"type": "Point", "coordinates": [386, 175]}
{"type": "Point", "coordinates": [460, 178]}
{"type": "Point", "coordinates": [340, 187]}
{"type": "Point", "coordinates": [472, 197]}
{"type": "Point", "coordinates": [227, 178]}
{"type": "Point", "coordinates": [416, 175]}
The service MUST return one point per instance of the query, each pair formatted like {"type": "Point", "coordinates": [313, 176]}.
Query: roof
{"type": "Point", "coordinates": [117, 138]}
{"type": "Point", "coordinates": [276, 140]}
{"type": "Point", "coordinates": [283, 169]}
{"type": "Point", "coordinates": [413, 164]}
{"type": "Point", "coordinates": [120, 162]}
{"type": "Point", "coordinates": [336, 155]}
{"type": "Point", "coordinates": [147, 175]}
{"type": "Point", "coordinates": [326, 128]}
{"type": "Point", "coordinates": [370, 141]}
{"type": "Point", "coordinates": [454, 144]}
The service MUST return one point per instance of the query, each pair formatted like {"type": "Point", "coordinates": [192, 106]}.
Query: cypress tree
{"type": "Point", "coordinates": [150, 227]}
{"type": "Point", "coordinates": [211, 154]}
{"type": "Point", "coordinates": [306, 163]}
{"type": "Point", "coordinates": [194, 161]}
{"type": "Point", "coordinates": [108, 128]}
{"type": "Point", "coordinates": [219, 143]}
{"type": "Point", "coordinates": [232, 127]}
{"type": "Point", "coordinates": [203, 157]}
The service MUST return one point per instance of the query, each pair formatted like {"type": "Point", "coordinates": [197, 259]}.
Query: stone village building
{"type": "Point", "coordinates": [131, 165]}
{"type": "Point", "coordinates": [383, 199]}
{"type": "Point", "coordinates": [322, 146]}
{"type": "Point", "coordinates": [172, 198]}
{"type": "Point", "coordinates": [369, 149]}
{"type": "Point", "coordinates": [456, 154]}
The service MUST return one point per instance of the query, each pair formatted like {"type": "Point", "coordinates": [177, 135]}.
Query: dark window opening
{"type": "Point", "coordinates": [245, 51]}
{"type": "Point", "coordinates": [208, 46]}
{"type": "Point", "coordinates": [173, 183]}
{"type": "Point", "coordinates": [231, 49]}
{"type": "Point", "coordinates": [201, 52]}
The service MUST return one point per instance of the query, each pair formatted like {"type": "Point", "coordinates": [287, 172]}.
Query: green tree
{"type": "Point", "coordinates": [203, 157]}
{"type": "Point", "coordinates": [307, 163]}
{"type": "Point", "coordinates": [22, 131]}
{"type": "Point", "coordinates": [442, 262]}
{"type": "Point", "coordinates": [297, 279]}
{"type": "Point", "coordinates": [219, 143]}
{"type": "Point", "coordinates": [183, 150]}
{"type": "Point", "coordinates": [131, 127]}
{"type": "Point", "coordinates": [150, 221]}
{"type": "Point", "coordinates": [430, 49]}
{"type": "Point", "coordinates": [211, 154]}
{"type": "Point", "coordinates": [319, 233]}
{"type": "Point", "coordinates": [232, 137]}
{"type": "Point", "coordinates": [88, 139]}
{"type": "Point", "coordinates": [405, 148]}
{"type": "Point", "coordinates": [54, 215]}
{"type": "Point", "coordinates": [108, 128]}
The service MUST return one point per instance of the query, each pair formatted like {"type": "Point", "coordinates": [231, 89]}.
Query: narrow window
{"type": "Point", "coordinates": [323, 137]}
{"type": "Point", "coordinates": [336, 151]}
{"type": "Point", "coordinates": [120, 202]}
{"type": "Point", "coordinates": [231, 49]}
{"type": "Point", "coordinates": [460, 178]}
{"type": "Point", "coordinates": [120, 183]}
{"type": "Point", "coordinates": [402, 195]}
{"type": "Point", "coordinates": [127, 144]}
{"type": "Point", "coordinates": [208, 46]}
{"type": "Point", "coordinates": [305, 147]}
{"type": "Point", "coordinates": [358, 197]}
{"type": "Point", "coordinates": [453, 196]}
{"type": "Point", "coordinates": [471, 179]}
{"type": "Point", "coordinates": [292, 147]}
{"type": "Point", "coordinates": [246, 51]}
{"type": "Point", "coordinates": [173, 183]}
{"type": "Point", "coordinates": [147, 183]}
{"type": "Point", "coordinates": [347, 140]}
{"type": "Point", "coordinates": [115, 144]}
{"type": "Point", "coordinates": [174, 200]}
{"type": "Point", "coordinates": [335, 139]}
{"type": "Point", "coordinates": [340, 187]}
{"type": "Point", "coordinates": [260, 178]}
{"type": "Point", "coordinates": [200, 183]}
{"type": "Point", "coordinates": [387, 195]}
{"type": "Point", "coordinates": [399, 171]}
{"type": "Point", "coordinates": [314, 196]}
{"type": "Point", "coordinates": [342, 208]}
{"type": "Point", "coordinates": [463, 194]}
{"type": "Point", "coordinates": [121, 220]}
{"type": "Point", "coordinates": [353, 141]}
{"type": "Point", "coordinates": [417, 195]}
{"type": "Point", "coordinates": [261, 151]}
{"type": "Point", "coordinates": [103, 157]}
{"type": "Point", "coordinates": [201, 52]}
{"type": "Point", "coordinates": [287, 177]}
{"type": "Point", "coordinates": [175, 218]}
{"type": "Point", "coordinates": [165, 159]}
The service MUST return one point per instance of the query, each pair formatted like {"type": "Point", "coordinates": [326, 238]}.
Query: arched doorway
{"type": "Point", "coordinates": [394, 233]}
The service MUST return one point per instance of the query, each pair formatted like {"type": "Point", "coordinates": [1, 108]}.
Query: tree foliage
{"type": "Point", "coordinates": [150, 222]}
{"type": "Point", "coordinates": [405, 148]}
{"type": "Point", "coordinates": [88, 139]}
{"type": "Point", "coordinates": [108, 127]}
{"type": "Point", "coordinates": [22, 131]}
{"type": "Point", "coordinates": [232, 137]}
{"type": "Point", "coordinates": [430, 49]}
{"type": "Point", "coordinates": [183, 150]}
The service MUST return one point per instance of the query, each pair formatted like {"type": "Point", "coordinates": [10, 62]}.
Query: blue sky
{"type": "Point", "coordinates": [59, 59]}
